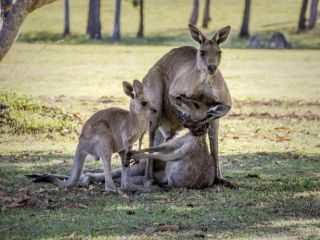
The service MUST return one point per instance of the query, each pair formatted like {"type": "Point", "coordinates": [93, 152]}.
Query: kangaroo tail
{"type": "Point", "coordinates": [75, 173]}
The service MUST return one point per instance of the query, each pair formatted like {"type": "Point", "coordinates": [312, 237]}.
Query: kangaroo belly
{"type": "Point", "coordinates": [185, 173]}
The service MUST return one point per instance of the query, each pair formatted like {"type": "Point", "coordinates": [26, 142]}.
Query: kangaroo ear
{"type": "Point", "coordinates": [222, 35]}
{"type": "Point", "coordinates": [137, 87]}
{"type": "Point", "coordinates": [127, 88]}
{"type": "Point", "coordinates": [218, 111]}
{"type": "Point", "coordinates": [196, 34]}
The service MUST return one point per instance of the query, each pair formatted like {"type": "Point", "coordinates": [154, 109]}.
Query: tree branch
{"type": "Point", "coordinates": [13, 21]}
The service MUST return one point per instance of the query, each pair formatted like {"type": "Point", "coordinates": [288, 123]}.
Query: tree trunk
{"type": "Point", "coordinates": [14, 19]}
{"type": "Point", "coordinates": [66, 18]}
{"type": "Point", "coordinates": [195, 12]}
{"type": "Point", "coordinates": [116, 31]}
{"type": "Point", "coordinates": [302, 18]}
{"type": "Point", "coordinates": [140, 31]}
{"type": "Point", "coordinates": [206, 14]}
{"type": "Point", "coordinates": [244, 32]}
{"type": "Point", "coordinates": [94, 24]}
{"type": "Point", "coordinates": [313, 13]}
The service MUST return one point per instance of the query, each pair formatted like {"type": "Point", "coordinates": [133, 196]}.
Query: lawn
{"type": "Point", "coordinates": [166, 22]}
{"type": "Point", "coordinates": [269, 145]}
{"type": "Point", "coordinates": [269, 142]}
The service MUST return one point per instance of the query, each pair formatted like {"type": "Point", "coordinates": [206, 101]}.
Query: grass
{"type": "Point", "coordinates": [269, 143]}
{"type": "Point", "coordinates": [166, 22]}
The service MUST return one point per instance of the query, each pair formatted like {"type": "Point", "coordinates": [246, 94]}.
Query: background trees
{"type": "Point", "coordinates": [195, 12]}
{"type": "Point", "coordinates": [206, 14]}
{"type": "Point", "coordinates": [116, 31]}
{"type": "Point", "coordinates": [244, 31]}
{"type": "Point", "coordinates": [313, 13]}
{"type": "Point", "coordinates": [66, 18]}
{"type": "Point", "coordinates": [302, 17]}
{"type": "Point", "coordinates": [94, 24]}
{"type": "Point", "coordinates": [140, 33]}
{"type": "Point", "coordinates": [302, 26]}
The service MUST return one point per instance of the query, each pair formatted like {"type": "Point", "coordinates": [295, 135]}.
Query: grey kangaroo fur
{"type": "Point", "coordinates": [109, 131]}
{"type": "Point", "coordinates": [188, 161]}
{"type": "Point", "coordinates": [192, 73]}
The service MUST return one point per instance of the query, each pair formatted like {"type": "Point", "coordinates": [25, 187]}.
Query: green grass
{"type": "Point", "coordinates": [23, 115]}
{"type": "Point", "coordinates": [166, 22]}
{"type": "Point", "coordinates": [98, 70]}
{"type": "Point", "coordinates": [269, 143]}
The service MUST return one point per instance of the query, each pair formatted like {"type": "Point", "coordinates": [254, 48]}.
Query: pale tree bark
{"type": "Point", "coordinates": [195, 12]}
{"type": "Point", "coordinates": [116, 31]}
{"type": "Point", "coordinates": [94, 23]}
{"type": "Point", "coordinates": [206, 14]}
{"type": "Point", "coordinates": [302, 17]}
{"type": "Point", "coordinates": [244, 32]}
{"type": "Point", "coordinates": [14, 19]}
{"type": "Point", "coordinates": [140, 33]}
{"type": "Point", "coordinates": [66, 18]}
{"type": "Point", "coordinates": [313, 13]}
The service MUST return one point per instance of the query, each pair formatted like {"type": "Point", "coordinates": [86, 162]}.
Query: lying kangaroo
{"type": "Point", "coordinates": [108, 131]}
{"type": "Point", "coordinates": [193, 73]}
{"type": "Point", "coordinates": [189, 163]}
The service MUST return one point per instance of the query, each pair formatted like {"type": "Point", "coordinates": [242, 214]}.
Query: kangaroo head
{"type": "Point", "coordinates": [209, 52]}
{"type": "Point", "coordinates": [138, 104]}
{"type": "Point", "coordinates": [195, 110]}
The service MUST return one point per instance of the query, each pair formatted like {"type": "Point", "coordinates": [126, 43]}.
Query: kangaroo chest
{"type": "Point", "coordinates": [192, 86]}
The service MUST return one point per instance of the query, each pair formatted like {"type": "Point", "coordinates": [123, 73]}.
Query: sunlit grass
{"type": "Point", "coordinates": [166, 22]}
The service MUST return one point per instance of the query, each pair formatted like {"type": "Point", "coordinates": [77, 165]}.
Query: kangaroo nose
{"type": "Point", "coordinates": [153, 110]}
{"type": "Point", "coordinates": [212, 69]}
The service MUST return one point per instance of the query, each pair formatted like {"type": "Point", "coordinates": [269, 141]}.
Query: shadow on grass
{"type": "Point", "coordinates": [274, 187]}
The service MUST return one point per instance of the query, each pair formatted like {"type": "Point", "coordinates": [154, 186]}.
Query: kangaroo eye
{"type": "Point", "coordinates": [202, 53]}
{"type": "Point", "coordinates": [196, 105]}
{"type": "Point", "coordinates": [143, 103]}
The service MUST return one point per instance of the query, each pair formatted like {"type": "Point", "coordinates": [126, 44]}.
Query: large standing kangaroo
{"type": "Point", "coordinates": [191, 73]}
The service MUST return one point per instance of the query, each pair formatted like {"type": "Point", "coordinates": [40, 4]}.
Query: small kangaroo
{"type": "Point", "coordinates": [109, 131]}
{"type": "Point", "coordinates": [189, 163]}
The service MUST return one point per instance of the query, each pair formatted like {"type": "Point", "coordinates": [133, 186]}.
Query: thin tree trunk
{"type": "Point", "coordinates": [206, 14]}
{"type": "Point", "coordinates": [66, 18]}
{"type": "Point", "coordinates": [302, 18]}
{"type": "Point", "coordinates": [11, 24]}
{"type": "Point", "coordinates": [244, 32]}
{"type": "Point", "coordinates": [313, 13]}
{"type": "Point", "coordinates": [116, 31]}
{"type": "Point", "coordinates": [140, 31]}
{"type": "Point", "coordinates": [94, 24]}
{"type": "Point", "coordinates": [1, 14]}
{"type": "Point", "coordinates": [195, 12]}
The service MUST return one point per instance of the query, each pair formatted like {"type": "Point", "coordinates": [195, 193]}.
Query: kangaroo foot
{"type": "Point", "coordinates": [148, 182]}
{"type": "Point", "coordinates": [111, 190]}
{"type": "Point", "coordinates": [131, 189]}
{"type": "Point", "coordinates": [84, 180]}
{"type": "Point", "coordinates": [225, 182]}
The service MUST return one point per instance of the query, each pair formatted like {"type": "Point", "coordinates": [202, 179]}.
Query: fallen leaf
{"type": "Point", "coordinates": [285, 129]}
{"type": "Point", "coordinates": [282, 139]}
{"type": "Point", "coordinates": [168, 228]}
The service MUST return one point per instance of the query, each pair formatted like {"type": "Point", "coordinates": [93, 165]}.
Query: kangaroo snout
{"type": "Point", "coordinates": [153, 110]}
{"type": "Point", "coordinates": [212, 69]}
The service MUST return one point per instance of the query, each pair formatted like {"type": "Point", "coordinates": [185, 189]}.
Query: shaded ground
{"type": "Point", "coordinates": [274, 158]}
